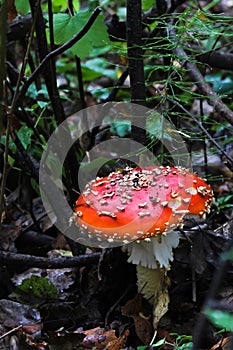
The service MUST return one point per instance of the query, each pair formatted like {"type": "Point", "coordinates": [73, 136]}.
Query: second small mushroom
{"type": "Point", "coordinates": [140, 208]}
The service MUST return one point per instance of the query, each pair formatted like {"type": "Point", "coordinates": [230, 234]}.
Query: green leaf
{"type": "Point", "coordinates": [121, 13]}
{"type": "Point", "coordinates": [101, 93]}
{"type": "Point", "coordinates": [104, 2]}
{"type": "Point", "coordinates": [24, 135]}
{"type": "Point", "coordinates": [187, 346]}
{"type": "Point", "coordinates": [59, 6]}
{"type": "Point", "coordinates": [220, 318]}
{"type": "Point", "coordinates": [147, 4]}
{"type": "Point", "coordinates": [12, 146]}
{"type": "Point", "coordinates": [154, 125]}
{"type": "Point", "coordinates": [65, 27]}
{"type": "Point", "coordinates": [95, 68]}
{"type": "Point", "coordinates": [221, 85]}
{"type": "Point", "coordinates": [65, 66]}
{"type": "Point", "coordinates": [39, 287]}
{"type": "Point", "coordinates": [22, 6]}
{"type": "Point", "coordinates": [99, 51]}
{"type": "Point", "coordinates": [158, 343]}
{"type": "Point", "coordinates": [121, 128]}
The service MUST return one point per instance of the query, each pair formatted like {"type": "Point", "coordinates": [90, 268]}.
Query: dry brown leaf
{"type": "Point", "coordinates": [143, 328]}
{"type": "Point", "coordinates": [119, 343]}
{"type": "Point", "coordinates": [98, 337]}
{"type": "Point", "coordinates": [133, 306]}
{"type": "Point", "coordinates": [224, 344]}
{"type": "Point", "coordinates": [31, 329]}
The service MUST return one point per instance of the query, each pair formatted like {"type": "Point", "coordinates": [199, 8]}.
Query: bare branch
{"type": "Point", "coordinates": [60, 50]}
{"type": "Point", "coordinates": [7, 258]}
{"type": "Point", "coordinates": [213, 99]}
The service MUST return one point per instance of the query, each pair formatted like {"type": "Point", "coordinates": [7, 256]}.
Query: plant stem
{"type": "Point", "coordinates": [3, 23]}
{"type": "Point", "coordinates": [136, 66]}
{"type": "Point", "coordinates": [217, 282]}
{"type": "Point", "coordinates": [135, 51]}
{"type": "Point", "coordinates": [213, 99]}
{"type": "Point", "coordinates": [59, 51]}
{"type": "Point", "coordinates": [10, 116]}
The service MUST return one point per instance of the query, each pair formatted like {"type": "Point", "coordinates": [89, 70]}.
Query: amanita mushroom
{"type": "Point", "coordinates": [139, 208]}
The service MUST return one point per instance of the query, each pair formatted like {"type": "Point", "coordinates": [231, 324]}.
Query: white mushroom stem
{"type": "Point", "coordinates": [152, 257]}
{"type": "Point", "coordinates": [153, 285]}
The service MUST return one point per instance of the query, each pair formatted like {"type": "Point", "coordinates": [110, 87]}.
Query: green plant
{"type": "Point", "coordinates": [221, 319]}
{"type": "Point", "coordinates": [225, 202]}
{"type": "Point", "coordinates": [181, 342]}
{"type": "Point", "coordinates": [39, 287]}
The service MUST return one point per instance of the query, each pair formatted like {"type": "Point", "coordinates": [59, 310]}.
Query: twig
{"type": "Point", "coordinates": [78, 66]}
{"type": "Point", "coordinates": [10, 331]}
{"type": "Point", "coordinates": [59, 51]}
{"type": "Point", "coordinates": [3, 21]}
{"type": "Point", "coordinates": [10, 116]}
{"type": "Point", "coordinates": [118, 84]}
{"type": "Point", "coordinates": [201, 127]}
{"type": "Point", "coordinates": [51, 31]}
{"type": "Point", "coordinates": [7, 258]}
{"type": "Point", "coordinates": [114, 306]}
{"type": "Point", "coordinates": [217, 281]}
{"type": "Point", "coordinates": [49, 71]}
{"type": "Point", "coordinates": [27, 161]}
{"type": "Point", "coordinates": [80, 82]}
{"type": "Point", "coordinates": [199, 80]}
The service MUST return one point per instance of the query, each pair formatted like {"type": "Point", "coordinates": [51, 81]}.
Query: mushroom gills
{"type": "Point", "coordinates": [154, 253]}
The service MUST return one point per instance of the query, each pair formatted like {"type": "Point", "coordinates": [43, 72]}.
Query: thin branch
{"type": "Point", "coordinates": [80, 82]}
{"type": "Point", "coordinates": [201, 127]}
{"type": "Point", "coordinates": [217, 282]}
{"type": "Point", "coordinates": [8, 258]}
{"type": "Point", "coordinates": [78, 66]}
{"type": "Point", "coordinates": [117, 85]}
{"type": "Point", "coordinates": [11, 331]}
{"type": "Point", "coordinates": [27, 161]}
{"type": "Point", "coordinates": [3, 21]}
{"type": "Point", "coordinates": [213, 99]}
{"type": "Point", "coordinates": [51, 31]}
{"type": "Point", "coordinates": [10, 116]}
{"type": "Point", "coordinates": [49, 71]}
{"type": "Point", "coordinates": [59, 51]}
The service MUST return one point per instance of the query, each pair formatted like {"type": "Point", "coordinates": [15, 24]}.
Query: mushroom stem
{"type": "Point", "coordinates": [153, 257]}
{"type": "Point", "coordinates": [155, 290]}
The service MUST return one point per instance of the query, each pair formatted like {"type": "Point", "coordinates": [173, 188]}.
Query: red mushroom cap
{"type": "Point", "coordinates": [139, 203]}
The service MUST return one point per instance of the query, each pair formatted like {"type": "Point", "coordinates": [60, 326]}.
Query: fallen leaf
{"type": "Point", "coordinates": [133, 306]}
{"type": "Point", "coordinates": [119, 343]}
{"type": "Point", "coordinates": [224, 344]}
{"type": "Point", "coordinates": [143, 328]}
{"type": "Point", "coordinates": [98, 338]}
